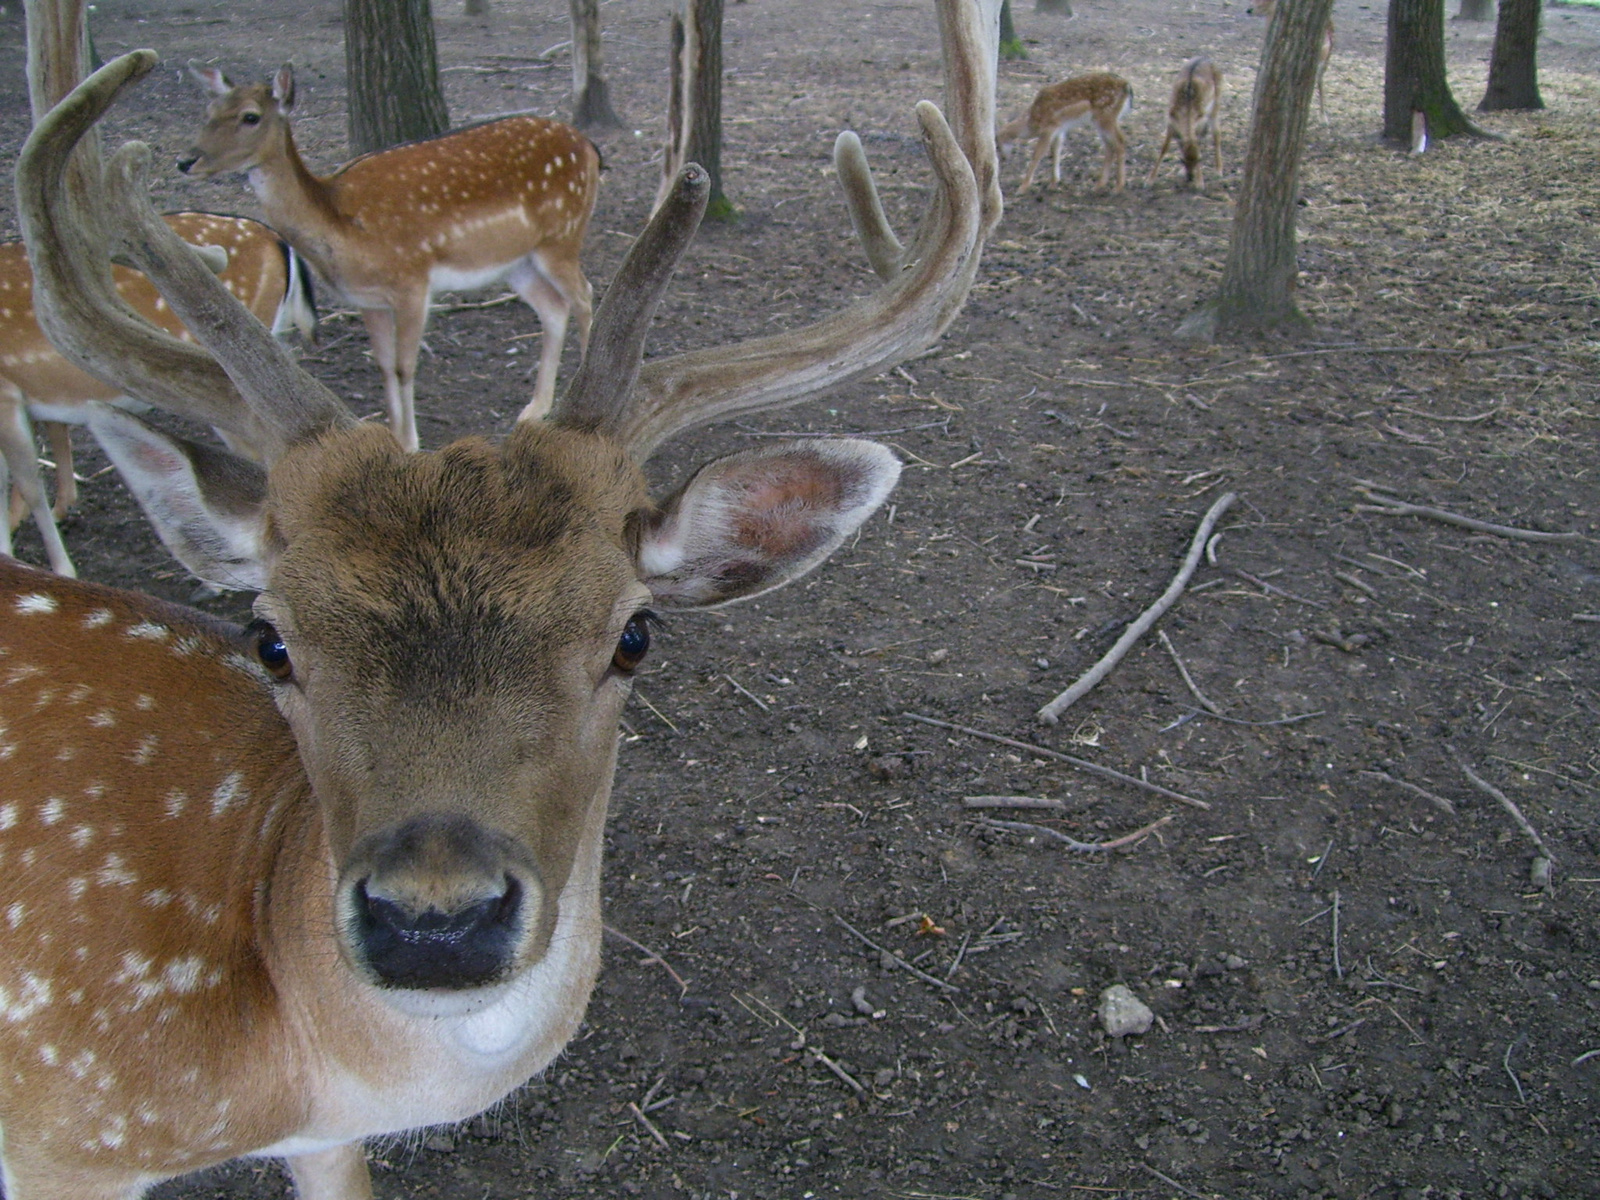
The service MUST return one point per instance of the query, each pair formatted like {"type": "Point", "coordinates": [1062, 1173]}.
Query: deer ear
{"type": "Point", "coordinates": [751, 522]}
{"type": "Point", "coordinates": [210, 79]}
{"type": "Point", "coordinates": [283, 87]}
{"type": "Point", "coordinates": [206, 504]}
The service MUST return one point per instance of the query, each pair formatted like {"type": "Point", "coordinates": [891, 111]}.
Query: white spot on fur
{"type": "Point", "coordinates": [104, 719]}
{"type": "Point", "coordinates": [33, 995]}
{"type": "Point", "coordinates": [8, 816]}
{"type": "Point", "coordinates": [173, 804]}
{"type": "Point", "coordinates": [230, 791]}
{"type": "Point", "coordinates": [99, 617]}
{"type": "Point", "coordinates": [145, 750]}
{"type": "Point", "coordinates": [114, 873]}
{"type": "Point", "coordinates": [52, 810]}
{"type": "Point", "coordinates": [15, 913]}
{"type": "Point", "coordinates": [82, 836]}
{"type": "Point", "coordinates": [36, 604]}
{"type": "Point", "coordinates": [148, 631]}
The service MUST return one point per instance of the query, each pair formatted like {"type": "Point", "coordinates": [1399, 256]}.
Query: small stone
{"type": "Point", "coordinates": [442, 1142]}
{"type": "Point", "coordinates": [1121, 1012]}
{"type": "Point", "coordinates": [1234, 963]}
{"type": "Point", "coordinates": [938, 656]}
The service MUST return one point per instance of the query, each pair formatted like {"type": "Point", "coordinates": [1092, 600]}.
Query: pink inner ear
{"type": "Point", "coordinates": [781, 508]}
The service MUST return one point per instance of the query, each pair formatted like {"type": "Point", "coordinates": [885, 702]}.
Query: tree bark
{"type": "Point", "coordinates": [1476, 10]}
{"type": "Point", "coordinates": [591, 99]}
{"type": "Point", "coordinates": [1259, 275]}
{"type": "Point", "coordinates": [476, 8]}
{"type": "Point", "coordinates": [392, 73]}
{"type": "Point", "coordinates": [1056, 8]}
{"type": "Point", "coordinates": [694, 107]}
{"type": "Point", "coordinates": [1414, 76]}
{"type": "Point", "coordinates": [1514, 69]}
{"type": "Point", "coordinates": [1011, 46]}
{"type": "Point", "coordinates": [58, 60]}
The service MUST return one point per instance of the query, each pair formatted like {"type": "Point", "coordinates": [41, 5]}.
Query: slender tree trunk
{"type": "Point", "coordinates": [1056, 8]}
{"type": "Point", "coordinates": [1476, 10]}
{"type": "Point", "coordinates": [591, 99]}
{"type": "Point", "coordinates": [1011, 46]}
{"type": "Point", "coordinates": [1514, 69]}
{"type": "Point", "coordinates": [1259, 275]}
{"type": "Point", "coordinates": [476, 8]}
{"type": "Point", "coordinates": [392, 69]}
{"type": "Point", "coordinates": [1414, 76]}
{"type": "Point", "coordinates": [694, 106]}
{"type": "Point", "coordinates": [58, 60]}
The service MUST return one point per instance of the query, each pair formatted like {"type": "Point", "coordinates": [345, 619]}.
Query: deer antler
{"type": "Point", "coordinates": [251, 387]}
{"type": "Point", "coordinates": [925, 284]}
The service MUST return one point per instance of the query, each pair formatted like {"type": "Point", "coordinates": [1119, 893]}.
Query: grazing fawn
{"type": "Point", "coordinates": [38, 386]}
{"type": "Point", "coordinates": [1264, 8]}
{"type": "Point", "coordinates": [1099, 96]}
{"type": "Point", "coordinates": [336, 874]}
{"type": "Point", "coordinates": [505, 201]}
{"type": "Point", "coordinates": [1193, 112]}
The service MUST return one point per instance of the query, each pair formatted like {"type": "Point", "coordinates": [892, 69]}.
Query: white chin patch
{"type": "Point", "coordinates": [440, 1002]}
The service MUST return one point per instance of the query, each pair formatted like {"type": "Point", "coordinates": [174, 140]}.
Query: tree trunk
{"type": "Point", "coordinates": [1514, 70]}
{"type": "Point", "coordinates": [1011, 46]}
{"type": "Point", "coordinates": [694, 106]}
{"type": "Point", "coordinates": [58, 60]}
{"type": "Point", "coordinates": [1414, 79]}
{"type": "Point", "coordinates": [1259, 275]}
{"type": "Point", "coordinates": [591, 99]}
{"type": "Point", "coordinates": [476, 8]}
{"type": "Point", "coordinates": [1476, 10]}
{"type": "Point", "coordinates": [392, 70]}
{"type": "Point", "coordinates": [1056, 8]}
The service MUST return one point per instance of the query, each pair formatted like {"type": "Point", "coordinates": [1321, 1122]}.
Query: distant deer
{"type": "Point", "coordinates": [508, 200]}
{"type": "Point", "coordinates": [1099, 96]}
{"type": "Point", "coordinates": [1192, 113]}
{"type": "Point", "coordinates": [1264, 8]}
{"type": "Point", "coordinates": [271, 890]}
{"type": "Point", "coordinates": [38, 386]}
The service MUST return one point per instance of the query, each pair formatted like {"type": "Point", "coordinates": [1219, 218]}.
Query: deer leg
{"type": "Point", "coordinates": [384, 331]}
{"type": "Point", "coordinates": [1116, 149]}
{"type": "Point", "coordinates": [337, 1174]}
{"type": "Point", "coordinates": [1059, 140]}
{"type": "Point", "coordinates": [532, 281]}
{"type": "Point", "coordinates": [1161, 154]}
{"type": "Point", "coordinates": [1216, 141]}
{"type": "Point", "coordinates": [60, 436]}
{"type": "Point", "coordinates": [22, 466]}
{"type": "Point", "coordinates": [1040, 145]}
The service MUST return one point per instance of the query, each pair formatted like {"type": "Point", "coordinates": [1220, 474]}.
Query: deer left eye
{"type": "Point", "coordinates": [271, 652]}
{"type": "Point", "coordinates": [634, 643]}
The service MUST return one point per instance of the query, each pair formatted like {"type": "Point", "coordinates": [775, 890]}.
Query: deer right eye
{"type": "Point", "coordinates": [250, 119]}
{"type": "Point", "coordinates": [271, 651]}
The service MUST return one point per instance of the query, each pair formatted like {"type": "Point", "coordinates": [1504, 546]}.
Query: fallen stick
{"type": "Point", "coordinates": [1505, 802]}
{"type": "Point", "coordinates": [1401, 508]}
{"type": "Point", "coordinates": [651, 959]}
{"type": "Point", "coordinates": [1073, 843]}
{"type": "Point", "coordinates": [1194, 689]}
{"type": "Point", "coordinates": [890, 954]}
{"type": "Point", "coordinates": [1083, 764]}
{"type": "Point", "coordinates": [1051, 713]}
{"type": "Point", "coordinates": [1010, 802]}
{"type": "Point", "coordinates": [1438, 801]}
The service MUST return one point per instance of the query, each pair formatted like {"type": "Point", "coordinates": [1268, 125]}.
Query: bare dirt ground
{"type": "Point", "coordinates": [1358, 993]}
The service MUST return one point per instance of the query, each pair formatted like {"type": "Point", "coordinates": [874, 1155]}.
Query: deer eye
{"type": "Point", "coordinates": [250, 118]}
{"type": "Point", "coordinates": [271, 653]}
{"type": "Point", "coordinates": [634, 643]}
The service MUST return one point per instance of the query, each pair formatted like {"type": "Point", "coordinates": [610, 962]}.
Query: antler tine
{"type": "Point", "coordinates": [599, 391]}
{"type": "Point", "coordinates": [77, 304]}
{"type": "Point", "coordinates": [924, 286]}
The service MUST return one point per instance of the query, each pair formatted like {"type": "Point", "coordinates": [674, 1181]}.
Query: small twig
{"type": "Point", "coordinates": [891, 955]}
{"type": "Point", "coordinates": [1010, 802]}
{"type": "Point", "coordinates": [1082, 764]}
{"type": "Point", "coordinates": [1438, 801]}
{"type": "Point", "coordinates": [837, 1070]}
{"type": "Point", "coordinates": [1322, 859]}
{"type": "Point", "coordinates": [1070, 842]}
{"type": "Point", "coordinates": [1472, 420]}
{"type": "Point", "coordinates": [1506, 1063]}
{"type": "Point", "coordinates": [1278, 591]}
{"type": "Point", "coordinates": [1227, 720]}
{"type": "Point", "coordinates": [1338, 968]}
{"type": "Point", "coordinates": [1585, 1057]}
{"type": "Point", "coordinates": [1194, 689]}
{"type": "Point", "coordinates": [748, 694]}
{"type": "Point", "coordinates": [665, 720]}
{"type": "Point", "coordinates": [1505, 802]}
{"type": "Point", "coordinates": [1173, 1183]}
{"type": "Point", "coordinates": [651, 959]}
{"type": "Point", "coordinates": [1592, 617]}
{"type": "Point", "coordinates": [649, 1125]}
{"type": "Point", "coordinates": [1051, 713]}
{"type": "Point", "coordinates": [1347, 578]}
{"type": "Point", "coordinates": [966, 940]}
{"type": "Point", "coordinates": [1400, 508]}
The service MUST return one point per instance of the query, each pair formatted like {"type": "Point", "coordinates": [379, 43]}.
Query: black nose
{"type": "Point", "coordinates": [187, 161]}
{"type": "Point", "coordinates": [466, 948]}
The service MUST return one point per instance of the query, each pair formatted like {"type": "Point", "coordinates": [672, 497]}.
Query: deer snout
{"type": "Point", "coordinates": [188, 159]}
{"type": "Point", "coordinates": [438, 903]}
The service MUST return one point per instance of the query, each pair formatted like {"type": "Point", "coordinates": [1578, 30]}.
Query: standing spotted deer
{"type": "Point", "coordinates": [38, 386]}
{"type": "Point", "coordinates": [1193, 112]}
{"type": "Point", "coordinates": [508, 200]}
{"type": "Point", "coordinates": [1264, 8]}
{"type": "Point", "coordinates": [1099, 96]}
{"type": "Point", "coordinates": [336, 874]}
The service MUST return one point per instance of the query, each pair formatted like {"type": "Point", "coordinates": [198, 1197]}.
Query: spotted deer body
{"type": "Point", "coordinates": [506, 201]}
{"type": "Point", "coordinates": [38, 386]}
{"type": "Point", "coordinates": [1193, 112]}
{"type": "Point", "coordinates": [272, 890]}
{"type": "Point", "coordinates": [1098, 96]}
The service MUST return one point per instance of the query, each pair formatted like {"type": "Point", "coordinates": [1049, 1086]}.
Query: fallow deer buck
{"type": "Point", "coordinates": [272, 890]}
{"type": "Point", "coordinates": [1099, 96]}
{"type": "Point", "coordinates": [508, 201]}
{"type": "Point", "coordinates": [1264, 8]}
{"type": "Point", "coordinates": [1193, 111]}
{"type": "Point", "coordinates": [38, 386]}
